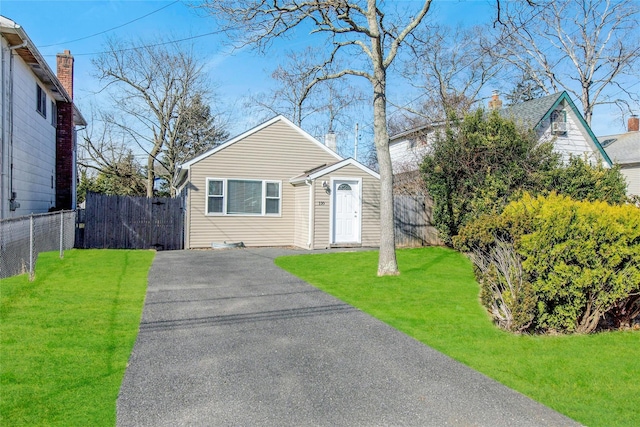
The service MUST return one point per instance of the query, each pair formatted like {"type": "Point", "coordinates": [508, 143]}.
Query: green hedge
{"type": "Point", "coordinates": [555, 264]}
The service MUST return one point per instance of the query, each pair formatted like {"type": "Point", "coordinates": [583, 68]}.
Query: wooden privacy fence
{"type": "Point", "coordinates": [412, 221]}
{"type": "Point", "coordinates": [126, 222]}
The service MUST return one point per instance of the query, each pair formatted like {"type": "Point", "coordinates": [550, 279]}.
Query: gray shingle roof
{"type": "Point", "coordinates": [623, 148]}
{"type": "Point", "coordinates": [530, 113]}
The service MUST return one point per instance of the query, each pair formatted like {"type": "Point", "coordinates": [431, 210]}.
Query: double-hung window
{"type": "Point", "coordinates": [243, 197]}
{"type": "Point", "coordinates": [41, 98]}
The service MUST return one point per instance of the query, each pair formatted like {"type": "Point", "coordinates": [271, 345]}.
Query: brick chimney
{"type": "Point", "coordinates": [633, 124]}
{"type": "Point", "coordinates": [65, 136]}
{"type": "Point", "coordinates": [65, 71]}
{"type": "Point", "coordinates": [496, 102]}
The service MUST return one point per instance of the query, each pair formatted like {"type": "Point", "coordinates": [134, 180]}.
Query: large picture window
{"type": "Point", "coordinates": [243, 197]}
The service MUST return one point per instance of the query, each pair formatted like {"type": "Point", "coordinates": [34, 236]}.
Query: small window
{"type": "Point", "coordinates": [344, 187]}
{"type": "Point", "coordinates": [41, 96]}
{"type": "Point", "coordinates": [215, 196]}
{"type": "Point", "coordinates": [272, 199]}
{"type": "Point", "coordinates": [54, 114]}
{"type": "Point", "coordinates": [558, 116]}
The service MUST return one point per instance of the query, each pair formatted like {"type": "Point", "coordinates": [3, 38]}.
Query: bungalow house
{"type": "Point", "coordinates": [275, 185]}
{"type": "Point", "coordinates": [38, 122]}
{"type": "Point", "coordinates": [554, 118]}
{"type": "Point", "coordinates": [624, 149]}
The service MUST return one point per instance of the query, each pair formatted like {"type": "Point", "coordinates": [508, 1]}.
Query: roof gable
{"type": "Point", "coordinates": [536, 111]}
{"type": "Point", "coordinates": [327, 169]}
{"type": "Point", "coordinates": [280, 118]}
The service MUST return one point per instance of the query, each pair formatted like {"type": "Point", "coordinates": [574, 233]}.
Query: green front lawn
{"type": "Point", "coordinates": [594, 379]}
{"type": "Point", "coordinates": [66, 337]}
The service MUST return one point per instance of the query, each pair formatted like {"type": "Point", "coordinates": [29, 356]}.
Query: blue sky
{"type": "Point", "coordinates": [57, 25]}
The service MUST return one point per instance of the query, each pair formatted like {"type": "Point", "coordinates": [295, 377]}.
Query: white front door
{"type": "Point", "coordinates": [346, 211]}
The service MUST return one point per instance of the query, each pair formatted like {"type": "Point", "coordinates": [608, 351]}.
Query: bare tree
{"type": "Point", "coordinates": [449, 68]}
{"type": "Point", "coordinates": [197, 131]}
{"type": "Point", "coordinates": [292, 94]}
{"type": "Point", "coordinates": [318, 108]}
{"type": "Point", "coordinates": [151, 88]}
{"type": "Point", "coordinates": [368, 32]}
{"type": "Point", "coordinates": [103, 152]}
{"type": "Point", "coordinates": [585, 47]}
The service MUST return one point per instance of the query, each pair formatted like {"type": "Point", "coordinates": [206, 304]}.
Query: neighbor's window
{"type": "Point", "coordinates": [54, 114]}
{"type": "Point", "coordinates": [558, 116]}
{"type": "Point", "coordinates": [243, 197]}
{"type": "Point", "coordinates": [41, 97]}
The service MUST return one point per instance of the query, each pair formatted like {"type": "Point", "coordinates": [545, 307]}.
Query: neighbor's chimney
{"type": "Point", "coordinates": [633, 124]}
{"type": "Point", "coordinates": [495, 103]}
{"type": "Point", "coordinates": [65, 71]}
{"type": "Point", "coordinates": [65, 134]}
{"type": "Point", "coordinates": [330, 140]}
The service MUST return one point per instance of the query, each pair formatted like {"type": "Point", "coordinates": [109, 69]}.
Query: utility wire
{"type": "Point", "coordinates": [149, 45]}
{"type": "Point", "coordinates": [114, 28]}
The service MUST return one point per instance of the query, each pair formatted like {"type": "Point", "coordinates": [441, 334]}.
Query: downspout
{"type": "Point", "coordinates": [312, 219]}
{"type": "Point", "coordinates": [12, 203]}
{"type": "Point", "coordinates": [3, 140]}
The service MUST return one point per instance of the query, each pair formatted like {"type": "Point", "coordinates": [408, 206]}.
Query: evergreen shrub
{"type": "Point", "coordinates": [554, 264]}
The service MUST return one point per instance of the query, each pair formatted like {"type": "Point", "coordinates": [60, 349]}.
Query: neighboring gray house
{"type": "Point", "coordinates": [554, 118]}
{"type": "Point", "coordinates": [37, 127]}
{"type": "Point", "coordinates": [275, 185]}
{"type": "Point", "coordinates": [624, 149]}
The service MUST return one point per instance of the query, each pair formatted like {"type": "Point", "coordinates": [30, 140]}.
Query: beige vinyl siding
{"type": "Point", "coordinates": [370, 211]}
{"type": "Point", "coordinates": [276, 152]}
{"type": "Point", "coordinates": [301, 233]}
{"type": "Point", "coordinates": [370, 231]}
{"type": "Point", "coordinates": [322, 207]}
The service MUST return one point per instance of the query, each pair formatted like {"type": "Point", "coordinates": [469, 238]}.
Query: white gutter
{"type": "Point", "coordinates": [311, 237]}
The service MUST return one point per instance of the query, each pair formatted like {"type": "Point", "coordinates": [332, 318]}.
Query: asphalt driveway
{"type": "Point", "coordinates": [229, 339]}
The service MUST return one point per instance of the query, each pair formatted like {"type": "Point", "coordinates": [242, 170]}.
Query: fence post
{"type": "Point", "coordinates": [61, 234]}
{"type": "Point", "coordinates": [31, 247]}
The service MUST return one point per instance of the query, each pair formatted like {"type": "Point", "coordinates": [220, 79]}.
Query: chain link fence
{"type": "Point", "coordinates": [23, 238]}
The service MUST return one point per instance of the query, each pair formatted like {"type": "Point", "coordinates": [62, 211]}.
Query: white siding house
{"type": "Point", "coordinates": [554, 118]}
{"type": "Point", "coordinates": [624, 150]}
{"type": "Point", "coordinates": [37, 119]}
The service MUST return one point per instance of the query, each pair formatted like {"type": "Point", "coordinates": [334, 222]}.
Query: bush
{"type": "Point", "coordinates": [582, 180]}
{"type": "Point", "coordinates": [477, 165]}
{"type": "Point", "coordinates": [580, 263]}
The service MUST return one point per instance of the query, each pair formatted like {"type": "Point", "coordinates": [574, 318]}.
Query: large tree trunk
{"type": "Point", "coordinates": [150, 176]}
{"type": "Point", "coordinates": [387, 264]}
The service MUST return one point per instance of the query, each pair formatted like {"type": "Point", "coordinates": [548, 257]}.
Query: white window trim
{"type": "Point", "coordinates": [263, 202]}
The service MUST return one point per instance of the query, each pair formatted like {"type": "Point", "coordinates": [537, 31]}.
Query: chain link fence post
{"type": "Point", "coordinates": [23, 238]}
{"type": "Point", "coordinates": [31, 248]}
{"type": "Point", "coordinates": [61, 235]}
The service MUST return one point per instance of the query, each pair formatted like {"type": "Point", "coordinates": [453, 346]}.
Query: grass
{"type": "Point", "coordinates": [66, 337]}
{"type": "Point", "coordinates": [594, 379]}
